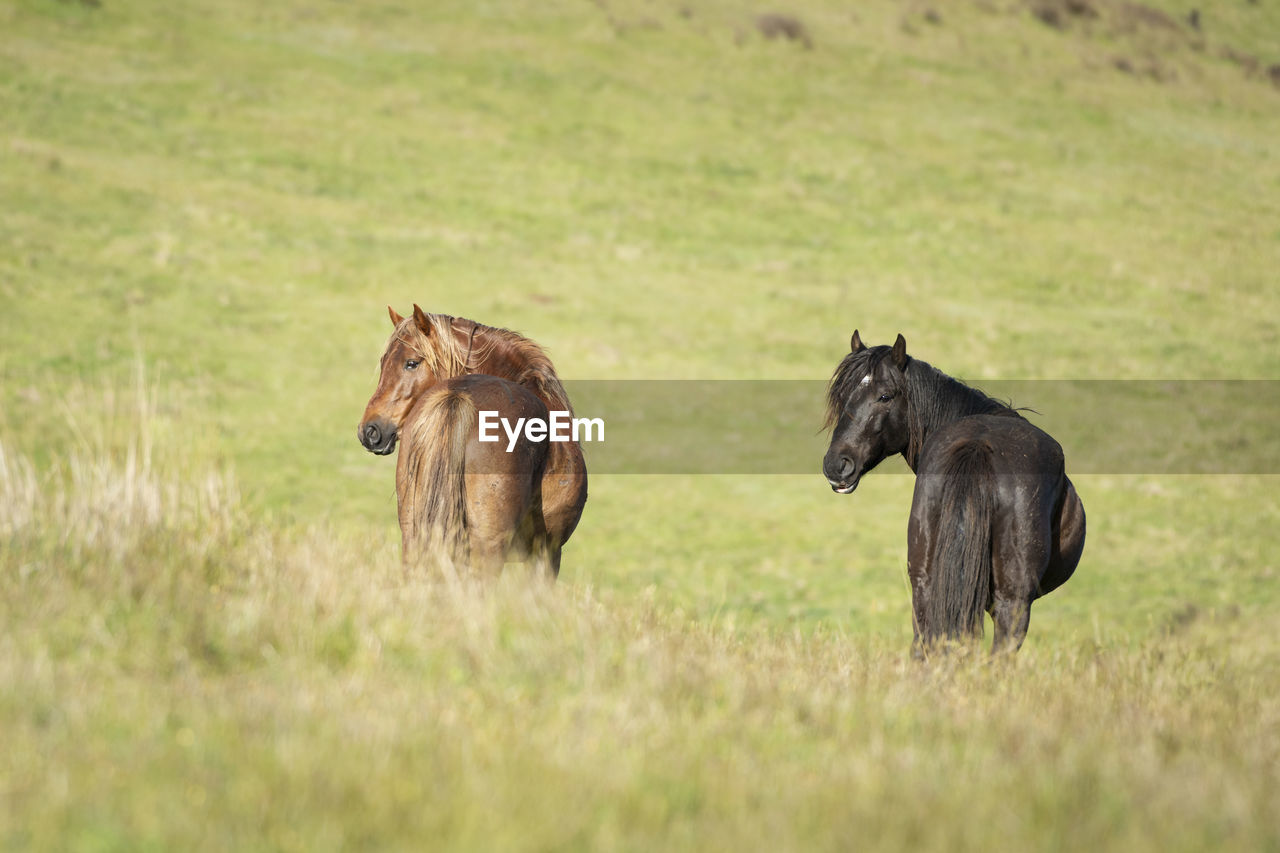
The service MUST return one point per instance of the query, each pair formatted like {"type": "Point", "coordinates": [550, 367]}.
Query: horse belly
{"type": "Point", "coordinates": [564, 491]}
{"type": "Point", "coordinates": [1068, 540]}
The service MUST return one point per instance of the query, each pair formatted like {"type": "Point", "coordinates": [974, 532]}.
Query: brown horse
{"type": "Point", "coordinates": [995, 522]}
{"type": "Point", "coordinates": [462, 500]}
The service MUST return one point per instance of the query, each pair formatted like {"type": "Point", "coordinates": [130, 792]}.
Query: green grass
{"type": "Point", "coordinates": [205, 640]}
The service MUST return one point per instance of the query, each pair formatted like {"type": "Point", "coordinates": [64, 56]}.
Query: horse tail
{"type": "Point", "coordinates": [960, 565]}
{"type": "Point", "coordinates": [432, 484]}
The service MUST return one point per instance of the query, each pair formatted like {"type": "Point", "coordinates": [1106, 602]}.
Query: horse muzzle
{"type": "Point", "coordinates": [841, 473]}
{"type": "Point", "coordinates": [378, 436]}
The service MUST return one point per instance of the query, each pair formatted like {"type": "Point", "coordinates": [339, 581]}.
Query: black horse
{"type": "Point", "coordinates": [995, 523]}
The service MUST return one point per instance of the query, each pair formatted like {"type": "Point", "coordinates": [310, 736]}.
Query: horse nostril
{"type": "Point", "coordinates": [846, 466]}
{"type": "Point", "coordinates": [372, 435]}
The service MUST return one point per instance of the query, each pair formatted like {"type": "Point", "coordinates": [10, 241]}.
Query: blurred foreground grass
{"type": "Point", "coordinates": [174, 675]}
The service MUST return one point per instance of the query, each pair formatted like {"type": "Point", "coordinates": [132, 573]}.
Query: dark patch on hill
{"type": "Point", "coordinates": [775, 25]}
{"type": "Point", "coordinates": [1116, 17]}
{"type": "Point", "coordinates": [1154, 42]}
{"type": "Point", "coordinates": [1060, 13]}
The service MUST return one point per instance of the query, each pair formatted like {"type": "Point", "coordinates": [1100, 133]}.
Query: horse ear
{"type": "Point", "coordinates": [855, 343]}
{"type": "Point", "coordinates": [900, 352]}
{"type": "Point", "coordinates": [395, 318]}
{"type": "Point", "coordinates": [420, 317]}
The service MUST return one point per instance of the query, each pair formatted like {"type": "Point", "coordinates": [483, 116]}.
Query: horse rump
{"type": "Point", "coordinates": [468, 504]}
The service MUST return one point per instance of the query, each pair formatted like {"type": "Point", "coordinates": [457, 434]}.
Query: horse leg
{"type": "Point", "coordinates": [543, 544]}
{"type": "Point", "coordinates": [918, 550]}
{"type": "Point", "coordinates": [1019, 554]}
{"type": "Point", "coordinates": [534, 545]}
{"type": "Point", "coordinates": [495, 506]}
{"type": "Point", "coordinates": [488, 555]}
{"type": "Point", "coordinates": [546, 558]}
{"type": "Point", "coordinates": [1012, 618]}
{"type": "Point", "coordinates": [918, 592]}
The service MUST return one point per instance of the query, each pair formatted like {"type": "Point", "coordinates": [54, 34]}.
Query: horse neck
{"type": "Point", "coordinates": [936, 400]}
{"type": "Point", "coordinates": [517, 360]}
{"type": "Point", "coordinates": [501, 364]}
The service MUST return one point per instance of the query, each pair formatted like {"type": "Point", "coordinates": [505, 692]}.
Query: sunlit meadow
{"type": "Point", "coordinates": [206, 638]}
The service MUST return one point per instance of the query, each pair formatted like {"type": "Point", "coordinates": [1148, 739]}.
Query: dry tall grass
{"type": "Point", "coordinates": [174, 674]}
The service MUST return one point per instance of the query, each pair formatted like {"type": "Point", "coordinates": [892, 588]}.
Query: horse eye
{"type": "Point", "coordinates": [884, 398]}
{"type": "Point", "coordinates": [412, 364]}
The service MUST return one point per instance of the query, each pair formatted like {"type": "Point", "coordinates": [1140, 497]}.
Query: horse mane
{"type": "Point", "coordinates": [933, 397]}
{"type": "Point", "coordinates": [485, 349]}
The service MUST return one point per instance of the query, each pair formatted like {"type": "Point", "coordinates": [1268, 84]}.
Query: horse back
{"type": "Point", "coordinates": [1016, 465]}
{"type": "Point", "coordinates": [513, 404]}
{"type": "Point", "coordinates": [1016, 447]}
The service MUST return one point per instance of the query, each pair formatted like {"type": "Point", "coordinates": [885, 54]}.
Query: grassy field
{"type": "Point", "coordinates": [205, 638]}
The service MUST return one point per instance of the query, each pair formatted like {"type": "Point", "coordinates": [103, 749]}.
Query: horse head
{"type": "Point", "coordinates": [866, 412]}
{"type": "Point", "coordinates": [411, 364]}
